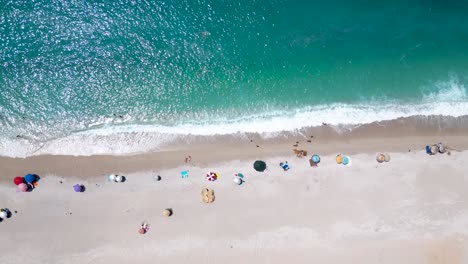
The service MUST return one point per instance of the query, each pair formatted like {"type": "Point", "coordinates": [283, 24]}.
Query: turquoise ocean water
{"type": "Point", "coordinates": [71, 68]}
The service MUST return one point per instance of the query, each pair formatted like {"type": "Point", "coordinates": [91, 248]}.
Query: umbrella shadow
{"type": "Point", "coordinates": [9, 214]}
{"type": "Point", "coordinates": [83, 188]}
{"type": "Point", "coordinates": [30, 187]}
{"type": "Point", "coordinates": [124, 178]}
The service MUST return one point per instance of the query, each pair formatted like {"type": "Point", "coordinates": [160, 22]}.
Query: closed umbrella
{"type": "Point", "coordinates": [23, 187]}
{"type": "Point", "coordinates": [259, 165]}
{"type": "Point", "coordinates": [29, 178]}
{"type": "Point", "coordinates": [77, 187]}
{"type": "Point", "coordinates": [17, 180]}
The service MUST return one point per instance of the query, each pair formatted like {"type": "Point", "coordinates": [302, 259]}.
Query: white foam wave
{"type": "Point", "coordinates": [128, 139]}
{"type": "Point", "coordinates": [448, 91]}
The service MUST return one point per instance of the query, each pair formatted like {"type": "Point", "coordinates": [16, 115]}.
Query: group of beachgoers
{"type": "Point", "coordinates": [30, 181]}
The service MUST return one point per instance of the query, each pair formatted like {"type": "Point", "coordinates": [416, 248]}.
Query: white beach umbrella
{"type": "Point", "coordinates": [434, 149]}
{"type": "Point", "coordinates": [387, 157]}
{"type": "Point", "coordinates": [3, 214]}
{"type": "Point", "coordinates": [238, 180]}
{"type": "Point", "coordinates": [112, 177]}
{"type": "Point", "coordinates": [118, 178]}
{"type": "Point", "coordinates": [441, 147]}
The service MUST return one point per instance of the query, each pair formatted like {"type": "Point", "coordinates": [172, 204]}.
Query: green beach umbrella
{"type": "Point", "coordinates": [259, 165]}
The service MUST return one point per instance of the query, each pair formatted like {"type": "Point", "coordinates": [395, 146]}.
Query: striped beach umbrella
{"type": "Point", "coordinates": [211, 176]}
{"type": "Point", "coordinates": [380, 158]}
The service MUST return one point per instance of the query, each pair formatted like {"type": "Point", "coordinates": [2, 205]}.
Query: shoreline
{"type": "Point", "coordinates": [115, 142]}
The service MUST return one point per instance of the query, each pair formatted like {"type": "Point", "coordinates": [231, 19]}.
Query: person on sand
{"type": "Point", "coordinates": [188, 159]}
{"type": "Point", "coordinates": [284, 166]}
{"type": "Point", "coordinates": [144, 228]}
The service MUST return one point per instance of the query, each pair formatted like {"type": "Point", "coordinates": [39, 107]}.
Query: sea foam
{"type": "Point", "coordinates": [125, 139]}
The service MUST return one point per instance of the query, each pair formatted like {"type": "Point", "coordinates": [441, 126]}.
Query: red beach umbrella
{"type": "Point", "coordinates": [23, 187]}
{"type": "Point", "coordinates": [17, 180]}
{"type": "Point", "coordinates": [211, 176]}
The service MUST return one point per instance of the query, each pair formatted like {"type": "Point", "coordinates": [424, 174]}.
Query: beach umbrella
{"type": "Point", "coordinates": [157, 178]}
{"type": "Point", "coordinates": [23, 187]}
{"type": "Point", "coordinates": [380, 158]}
{"type": "Point", "coordinates": [259, 165]}
{"type": "Point", "coordinates": [345, 160]}
{"type": "Point", "coordinates": [315, 158]}
{"type": "Point", "coordinates": [3, 214]}
{"type": "Point", "coordinates": [211, 176]}
{"type": "Point", "coordinates": [238, 180]}
{"type": "Point", "coordinates": [339, 159]}
{"type": "Point", "coordinates": [112, 177]}
{"type": "Point", "coordinates": [387, 157]}
{"type": "Point", "coordinates": [167, 212]}
{"type": "Point", "coordinates": [441, 148]}
{"type": "Point", "coordinates": [29, 178]}
{"type": "Point", "coordinates": [77, 187]}
{"type": "Point", "coordinates": [434, 149]}
{"type": "Point", "coordinates": [142, 231]}
{"type": "Point", "coordinates": [118, 178]}
{"type": "Point", "coordinates": [17, 180]}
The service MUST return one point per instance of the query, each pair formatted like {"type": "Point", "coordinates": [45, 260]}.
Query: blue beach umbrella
{"type": "Point", "coordinates": [29, 178]}
{"type": "Point", "coordinates": [345, 160]}
{"type": "Point", "coordinates": [316, 158]}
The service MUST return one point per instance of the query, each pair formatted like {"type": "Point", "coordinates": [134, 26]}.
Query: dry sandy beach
{"type": "Point", "coordinates": [412, 209]}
